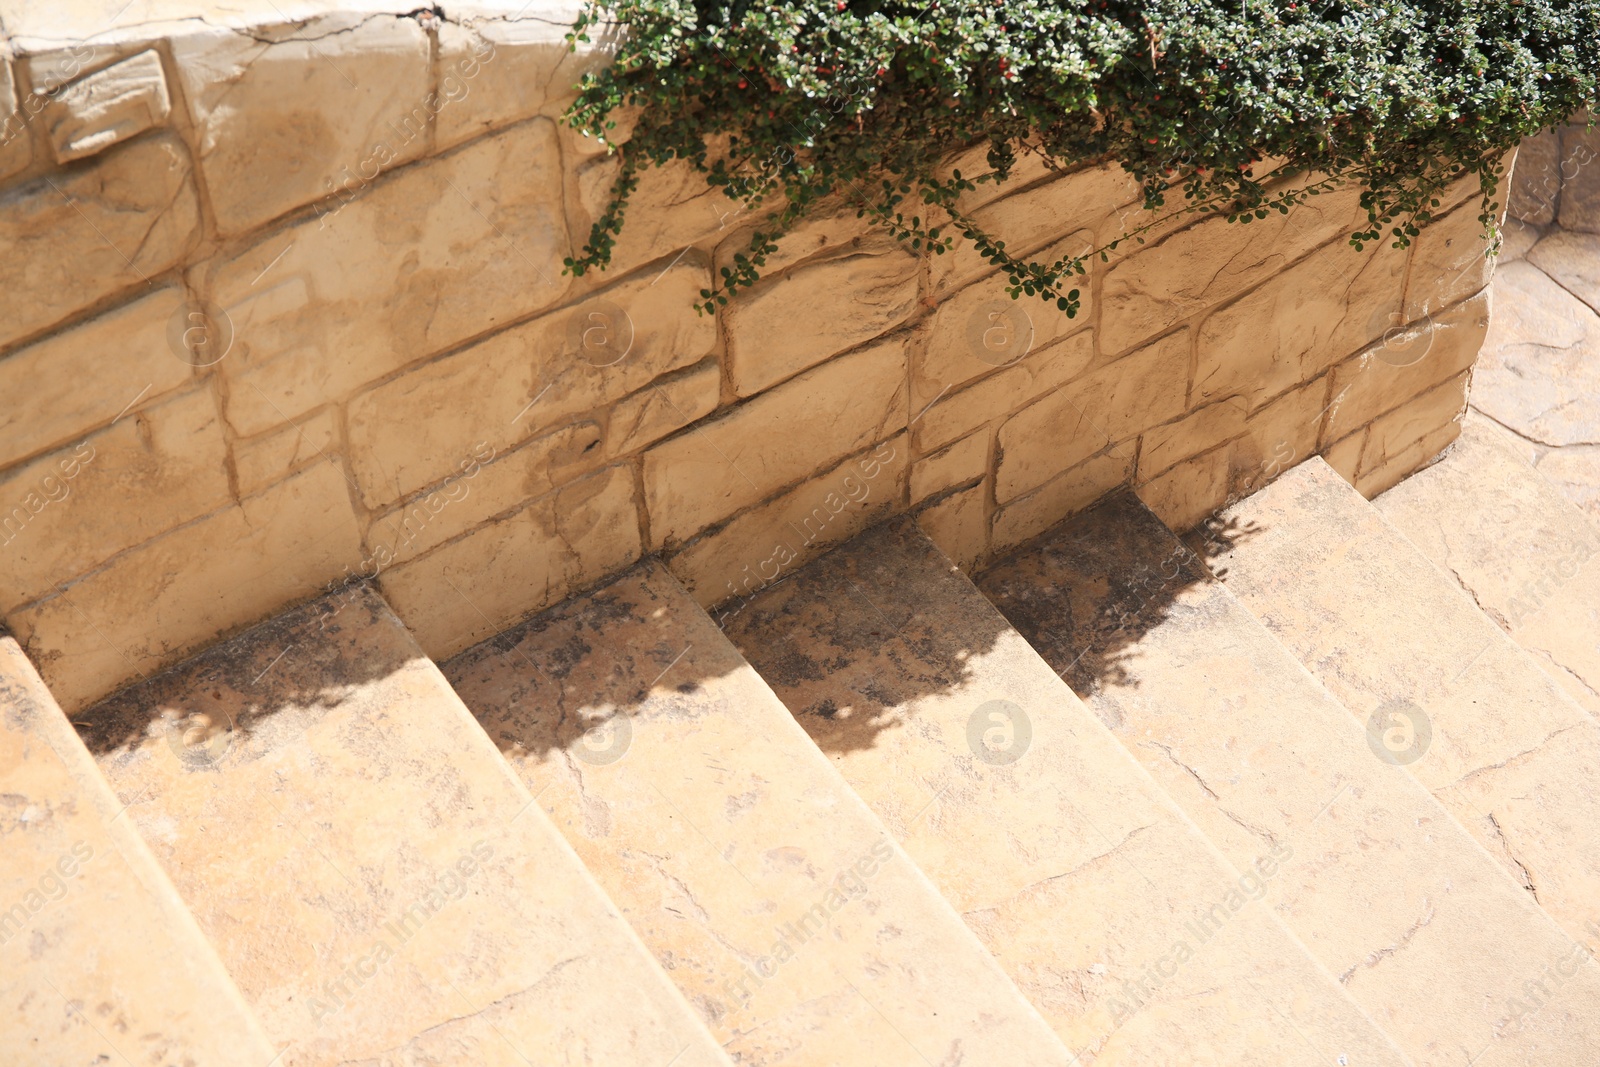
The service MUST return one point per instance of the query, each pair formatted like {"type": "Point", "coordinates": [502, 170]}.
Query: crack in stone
{"type": "Point", "coordinates": [1505, 845]}
{"type": "Point", "coordinates": [1509, 760]}
{"type": "Point", "coordinates": [1091, 861]}
{"type": "Point", "coordinates": [1384, 953]}
{"type": "Point", "coordinates": [1201, 782]}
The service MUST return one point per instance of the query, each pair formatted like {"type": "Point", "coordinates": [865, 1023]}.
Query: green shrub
{"type": "Point", "coordinates": [783, 104]}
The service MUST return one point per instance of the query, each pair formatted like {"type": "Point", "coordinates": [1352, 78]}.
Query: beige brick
{"type": "Point", "coordinates": [273, 456]}
{"type": "Point", "coordinates": [1419, 419]}
{"type": "Point", "coordinates": [797, 319]}
{"type": "Point", "coordinates": [662, 408]}
{"type": "Point", "coordinates": [483, 486]}
{"type": "Point", "coordinates": [1279, 436]}
{"type": "Point", "coordinates": [1026, 221]}
{"type": "Point", "coordinates": [1066, 494]}
{"type": "Point", "coordinates": [980, 328]}
{"type": "Point", "coordinates": [1191, 491]}
{"type": "Point", "coordinates": [824, 236]}
{"type": "Point", "coordinates": [322, 106]}
{"type": "Point", "coordinates": [1199, 431]}
{"type": "Point", "coordinates": [749, 553]}
{"type": "Point", "coordinates": [493, 72]}
{"type": "Point", "coordinates": [959, 412]}
{"type": "Point", "coordinates": [1344, 455]}
{"type": "Point", "coordinates": [672, 208]}
{"type": "Point", "coordinates": [1407, 461]}
{"type": "Point", "coordinates": [79, 237]}
{"type": "Point", "coordinates": [140, 477]}
{"type": "Point", "coordinates": [1106, 407]}
{"type": "Point", "coordinates": [476, 586]}
{"type": "Point", "coordinates": [1161, 285]}
{"type": "Point", "coordinates": [1406, 363]}
{"type": "Point", "coordinates": [973, 162]}
{"type": "Point", "coordinates": [1580, 173]}
{"type": "Point", "coordinates": [961, 462]}
{"type": "Point", "coordinates": [958, 525]}
{"type": "Point", "coordinates": [777, 438]}
{"type": "Point", "coordinates": [1299, 323]}
{"type": "Point", "coordinates": [410, 432]}
{"type": "Point", "coordinates": [420, 262]}
{"type": "Point", "coordinates": [1449, 263]}
{"type": "Point", "coordinates": [155, 604]}
{"type": "Point", "coordinates": [16, 143]}
{"type": "Point", "coordinates": [108, 106]}
{"type": "Point", "coordinates": [83, 377]}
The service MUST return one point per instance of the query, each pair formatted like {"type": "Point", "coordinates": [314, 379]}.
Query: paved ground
{"type": "Point", "coordinates": [1539, 373]}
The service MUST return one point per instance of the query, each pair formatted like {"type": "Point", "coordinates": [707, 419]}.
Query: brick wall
{"type": "Point", "coordinates": [283, 309]}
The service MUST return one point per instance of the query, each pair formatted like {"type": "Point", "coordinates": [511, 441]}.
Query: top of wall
{"type": "Point", "coordinates": [34, 26]}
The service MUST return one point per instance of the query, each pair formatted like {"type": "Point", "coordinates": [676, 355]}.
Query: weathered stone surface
{"type": "Point", "coordinates": [797, 319]}
{"type": "Point", "coordinates": [1576, 472]}
{"type": "Point", "coordinates": [497, 70]}
{"type": "Point", "coordinates": [731, 846]}
{"type": "Point", "coordinates": [1344, 455]}
{"type": "Point", "coordinates": [1540, 368]}
{"type": "Point", "coordinates": [1401, 645]}
{"type": "Point", "coordinates": [1026, 221]}
{"type": "Point", "coordinates": [1200, 430]}
{"type": "Point", "coordinates": [780, 437]}
{"type": "Point", "coordinates": [825, 235]}
{"type": "Point", "coordinates": [1405, 364]}
{"type": "Point", "coordinates": [1449, 263]}
{"type": "Point", "coordinates": [503, 570]}
{"type": "Point", "coordinates": [1572, 260]}
{"type": "Point", "coordinates": [74, 239]}
{"type": "Point", "coordinates": [672, 209]}
{"type": "Point", "coordinates": [1106, 407]}
{"type": "Point", "coordinates": [78, 507]}
{"type": "Point", "coordinates": [957, 413]}
{"type": "Point", "coordinates": [268, 459]}
{"type": "Point", "coordinates": [1188, 492]}
{"type": "Point", "coordinates": [1067, 493]}
{"type": "Point", "coordinates": [1529, 557]}
{"type": "Point", "coordinates": [82, 378]}
{"type": "Point", "coordinates": [407, 901]}
{"type": "Point", "coordinates": [964, 461]}
{"type": "Point", "coordinates": [1516, 239]}
{"type": "Point", "coordinates": [981, 327]}
{"type": "Point", "coordinates": [1387, 892]}
{"type": "Point", "coordinates": [16, 144]}
{"type": "Point", "coordinates": [1161, 285]}
{"type": "Point", "coordinates": [663, 407]}
{"type": "Point", "coordinates": [110, 105]}
{"type": "Point", "coordinates": [959, 526]}
{"type": "Point", "coordinates": [1299, 322]}
{"type": "Point", "coordinates": [414, 265]}
{"type": "Point", "coordinates": [1061, 854]}
{"type": "Point", "coordinates": [95, 938]}
{"type": "Point", "coordinates": [160, 601]}
{"type": "Point", "coordinates": [484, 485]}
{"type": "Point", "coordinates": [289, 117]}
{"type": "Point", "coordinates": [410, 432]}
{"type": "Point", "coordinates": [1580, 174]}
{"type": "Point", "coordinates": [725, 566]}
{"type": "Point", "coordinates": [1536, 179]}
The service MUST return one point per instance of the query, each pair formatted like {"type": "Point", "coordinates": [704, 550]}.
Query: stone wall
{"type": "Point", "coordinates": [1557, 178]}
{"type": "Point", "coordinates": [283, 309]}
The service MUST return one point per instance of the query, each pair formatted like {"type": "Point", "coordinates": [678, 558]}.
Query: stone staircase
{"type": "Point", "coordinates": [1317, 783]}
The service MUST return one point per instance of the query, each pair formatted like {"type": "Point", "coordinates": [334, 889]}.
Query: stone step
{"type": "Point", "coordinates": [773, 897]}
{"type": "Point", "coordinates": [1529, 556]}
{"type": "Point", "coordinates": [99, 960]}
{"type": "Point", "coordinates": [1444, 691]}
{"type": "Point", "coordinates": [378, 883]}
{"type": "Point", "coordinates": [1089, 886]}
{"type": "Point", "coordinates": [1375, 877]}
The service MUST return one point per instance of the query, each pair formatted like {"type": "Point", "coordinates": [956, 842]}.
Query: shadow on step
{"type": "Point", "coordinates": [206, 706]}
{"type": "Point", "coordinates": [1086, 592]}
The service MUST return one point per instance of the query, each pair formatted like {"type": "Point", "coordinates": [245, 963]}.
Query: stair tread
{"type": "Point", "coordinates": [718, 828]}
{"type": "Point", "coordinates": [99, 960]}
{"type": "Point", "coordinates": [1383, 886]}
{"type": "Point", "coordinates": [1067, 861]}
{"type": "Point", "coordinates": [1528, 555]}
{"type": "Point", "coordinates": [1507, 752]}
{"type": "Point", "coordinates": [376, 880]}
